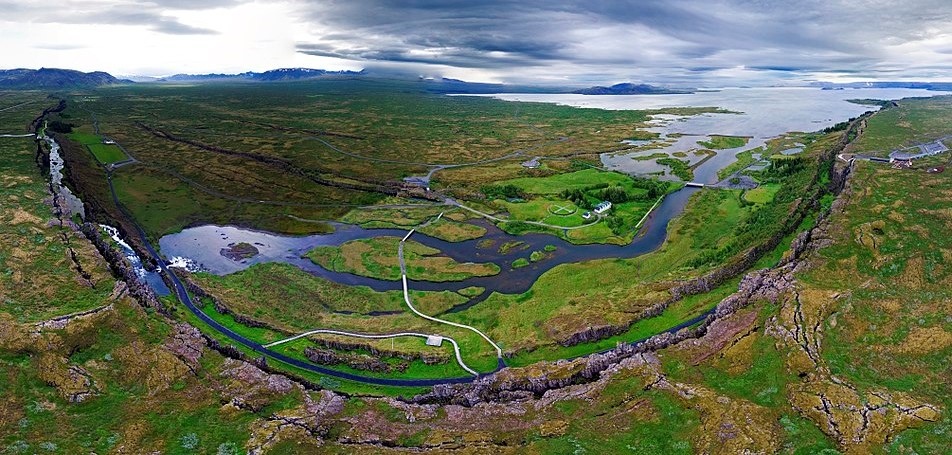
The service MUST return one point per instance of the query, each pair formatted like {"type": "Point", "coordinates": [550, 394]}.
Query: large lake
{"type": "Point", "coordinates": [763, 113]}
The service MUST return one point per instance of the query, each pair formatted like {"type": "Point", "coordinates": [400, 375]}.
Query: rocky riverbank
{"type": "Point", "coordinates": [759, 285]}
{"type": "Point", "coordinates": [746, 260]}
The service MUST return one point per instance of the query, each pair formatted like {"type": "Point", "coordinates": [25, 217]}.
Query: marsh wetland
{"type": "Point", "coordinates": [292, 253]}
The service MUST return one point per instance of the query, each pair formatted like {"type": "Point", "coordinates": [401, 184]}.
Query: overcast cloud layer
{"type": "Point", "coordinates": [668, 42]}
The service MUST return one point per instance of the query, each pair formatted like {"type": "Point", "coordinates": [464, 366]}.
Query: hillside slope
{"type": "Point", "coordinates": [53, 78]}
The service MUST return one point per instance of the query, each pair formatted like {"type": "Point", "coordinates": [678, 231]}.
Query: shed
{"type": "Point", "coordinates": [532, 164]}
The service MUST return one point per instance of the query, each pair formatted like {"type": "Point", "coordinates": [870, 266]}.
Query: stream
{"type": "Point", "coordinates": [200, 248]}
{"type": "Point", "coordinates": [74, 206]}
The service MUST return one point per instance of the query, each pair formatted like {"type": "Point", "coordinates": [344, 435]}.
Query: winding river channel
{"type": "Point", "coordinates": [202, 246]}
{"type": "Point", "coordinates": [753, 115]}
{"type": "Point", "coordinates": [74, 205]}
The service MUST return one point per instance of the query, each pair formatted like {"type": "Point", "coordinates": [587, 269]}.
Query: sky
{"type": "Point", "coordinates": [664, 42]}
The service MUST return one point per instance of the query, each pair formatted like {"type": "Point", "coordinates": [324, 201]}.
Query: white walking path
{"type": "Point", "coordinates": [406, 298]}
{"type": "Point", "coordinates": [406, 293]}
{"type": "Point", "coordinates": [459, 357]}
{"type": "Point", "coordinates": [638, 226]}
{"type": "Point", "coordinates": [535, 223]}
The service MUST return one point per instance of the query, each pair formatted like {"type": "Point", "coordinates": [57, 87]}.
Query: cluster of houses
{"type": "Point", "coordinates": [599, 209]}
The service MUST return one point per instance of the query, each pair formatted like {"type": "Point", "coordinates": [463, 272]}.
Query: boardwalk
{"type": "Point", "coordinates": [409, 302]}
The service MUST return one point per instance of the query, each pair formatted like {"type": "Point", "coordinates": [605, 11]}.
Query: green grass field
{"type": "Point", "coordinates": [377, 258]}
{"type": "Point", "coordinates": [104, 153]}
{"type": "Point", "coordinates": [763, 194]}
{"type": "Point", "coordinates": [312, 303]}
{"type": "Point", "coordinates": [547, 203]}
{"type": "Point", "coordinates": [913, 122]}
{"type": "Point", "coordinates": [719, 142]}
{"type": "Point", "coordinates": [570, 181]}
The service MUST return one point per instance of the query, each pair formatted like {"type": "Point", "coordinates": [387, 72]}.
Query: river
{"type": "Point", "coordinates": [202, 246]}
{"type": "Point", "coordinates": [72, 203]}
{"type": "Point", "coordinates": [760, 113]}
{"type": "Point", "coordinates": [74, 206]}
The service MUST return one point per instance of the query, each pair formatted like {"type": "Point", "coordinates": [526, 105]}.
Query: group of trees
{"type": "Point", "coordinates": [508, 191]}
{"type": "Point", "coordinates": [589, 196]}
{"type": "Point", "coordinates": [656, 188]}
{"type": "Point", "coordinates": [58, 126]}
{"type": "Point", "coordinates": [782, 166]}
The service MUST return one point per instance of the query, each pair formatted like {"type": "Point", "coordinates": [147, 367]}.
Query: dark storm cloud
{"type": "Point", "coordinates": [678, 42]}
{"type": "Point", "coordinates": [652, 38]}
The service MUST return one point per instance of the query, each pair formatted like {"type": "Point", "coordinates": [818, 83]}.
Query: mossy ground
{"type": "Point", "coordinates": [878, 292]}
{"type": "Point", "coordinates": [377, 258]}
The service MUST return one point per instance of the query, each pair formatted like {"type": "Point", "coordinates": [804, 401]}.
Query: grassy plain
{"type": "Point", "coordinates": [679, 168]}
{"type": "Point", "coordinates": [720, 142]}
{"type": "Point", "coordinates": [310, 302]}
{"type": "Point", "coordinates": [744, 159]}
{"type": "Point", "coordinates": [277, 154]}
{"type": "Point", "coordinates": [895, 128]}
{"type": "Point", "coordinates": [39, 259]}
{"type": "Point", "coordinates": [104, 153]}
{"type": "Point", "coordinates": [715, 227]}
{"type": "Point", "coordinates": [571, 297]}
{"type": "Point", "coordinates": [763, 194]}
{"type": "Point", "coordinates": [377, 258]}
{"type": "Point", "coordinates": [400, 214]}
{"type": "Point", "coordinates": [560, 200]}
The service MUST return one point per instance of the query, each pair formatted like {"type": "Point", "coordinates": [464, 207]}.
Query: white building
{"type": "Point", "coordinates": [602, 207]}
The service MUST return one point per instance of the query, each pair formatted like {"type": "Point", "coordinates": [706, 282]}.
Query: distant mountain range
{"type": "Point", "coordinates": [940, 86]}
{"type": "Point", "coordinates": [277, 75]}
{"type": "Point", "coordinates": [53, 78]}
{"type": "Point", "coordinates": [449, 86]}
{"type": "Point", "coordinates": [628, 88]}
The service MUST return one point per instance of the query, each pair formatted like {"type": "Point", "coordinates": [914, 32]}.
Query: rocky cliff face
{"type": "Point", "coordinates": [748, 258]}
{"type": "Point", "coordinates": [121, 268]}
{"type": "Point", "coordinates": [760, 285]}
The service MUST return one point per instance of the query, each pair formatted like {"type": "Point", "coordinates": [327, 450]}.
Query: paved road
{"type": "Point", "coordinates": [180, 292]}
